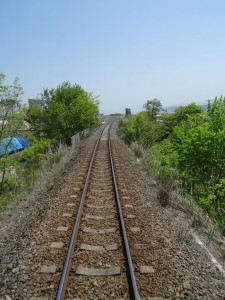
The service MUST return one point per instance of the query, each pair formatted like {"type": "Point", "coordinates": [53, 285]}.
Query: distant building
{"type": "Point", "coordinates": [116, 114]}
{"type": "Point", "coordinates": [36, 102]}
{"type": "Point", "coordinates": [128, 112]}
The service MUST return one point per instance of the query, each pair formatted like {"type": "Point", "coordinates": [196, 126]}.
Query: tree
{"type": "Point", "coordinates": [153, 108]}
{"type": "Point", "coordinates": [182, 113]}
{"type": "Point", "coordinates": [200, 144]}
{"type": "Point", "coordinates": [216, 113]}
{"type": "Point", "coordinates": [69, 109]}
{"type": "Point", "coordinates": [140, 129]}
{"type": "Point", "coordinates": [11, 111]}
{"type": "Point", "coordinates": [12, 115]}
{"type": "Point", "coordinates": [194, 143]}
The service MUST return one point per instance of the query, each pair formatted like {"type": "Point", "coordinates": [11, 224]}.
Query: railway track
{"type": "Point", "coordinates": [165, 268]}
{"type": "Point", "coordinates": [98, 263]}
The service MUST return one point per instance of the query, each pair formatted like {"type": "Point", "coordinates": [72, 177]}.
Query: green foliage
{"type": "Point", "coordinates": [166, 152]}
{"type": "Point", "coordinates": [186, 148]}
{"type": "Point", "coordinates": [69, 109]}
{"type": "Point", "coordinates": [193, 142]}
{"type": "Point", "coordinates": [34, 153]}
{"type": "Point", "coordinates": [153, 108]}
{"type": "Point", "coordinates": [169, 121]}
{"type": "Point", "coordinates": [12, 113]}
{"type": "Point", "coordinates": [22, 168]}
{"type": "Point", "coordinates": [140, 129]}
{"type": "Point", "coordinates": [199, 141]}
{"type": "Point", "coordinates": [36, 117]}
{"type": "Point", "coordinates": [214, 203]}
{"type": "Point", "coordinates": [182, 113]}
{"type": "Point", "coordinates": [10, 183]}
{"type": "Point", "coordinates": [10, 93]}
{"type": "Point", "coordinates": [200, 145]}
{"type": "Point", "coordinates": [163, 160]}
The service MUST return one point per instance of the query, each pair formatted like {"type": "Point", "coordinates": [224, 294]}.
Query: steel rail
{"type": "Point", "coordinates": [67, 265]}
{"type": "Point", "coordinates": [131, 276]}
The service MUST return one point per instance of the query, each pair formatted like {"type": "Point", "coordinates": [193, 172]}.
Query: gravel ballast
{"type": "Point", "coordinates": [172, 264]}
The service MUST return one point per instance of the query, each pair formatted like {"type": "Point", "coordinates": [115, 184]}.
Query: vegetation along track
{"type": "Point", "coordinates": [168, 263]}
{"type": "Point", "coordinates": [101, 266]}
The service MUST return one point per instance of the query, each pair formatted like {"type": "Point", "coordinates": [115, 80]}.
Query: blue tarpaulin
{"type": "Point", "coordinates": [22, 141]}
{"type": "Point", "coordinates": [11, 144]}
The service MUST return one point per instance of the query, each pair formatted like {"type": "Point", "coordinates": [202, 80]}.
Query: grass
{"type": "Point", "coordinates": [171, 192]}
{"type": "Point", "coordinates": [163, 196]}
{"type": "Point", "coordinates": [137, 149]}
{"type": "Point", "coordinates": [27, 175]}
{"type": "Point", "coordinates": [183, 235]}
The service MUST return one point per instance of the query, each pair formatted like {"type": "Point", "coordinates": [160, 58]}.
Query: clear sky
{"type": "Point", "coordinates": [125, 51]}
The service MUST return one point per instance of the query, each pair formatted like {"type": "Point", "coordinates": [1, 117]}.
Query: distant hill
{"type": "Point", "coordinates": [204, 107]}
{"type": "Point", "coordinates": [171, 109]}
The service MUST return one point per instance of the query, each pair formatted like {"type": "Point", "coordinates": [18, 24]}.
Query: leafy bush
{"type": "Point", "coordinates": [163, 160]}
{"type": "Point", "coordinates": [214, 202]}
{"type": "Point", "coordinates": [140, 129]}
{"type": "Point", "coordinates": [36, 151]}
{"type": "Point", "coordinates": [186, 147]}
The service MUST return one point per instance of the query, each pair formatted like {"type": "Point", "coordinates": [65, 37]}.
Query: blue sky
{"type": "Point", "coordinates": [125, 51]}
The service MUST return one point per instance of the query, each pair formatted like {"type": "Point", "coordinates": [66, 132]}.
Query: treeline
{"type": "Point", "coordinates": [186, 147]}
{"type": "Point", "coordinates": [66, 110]}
